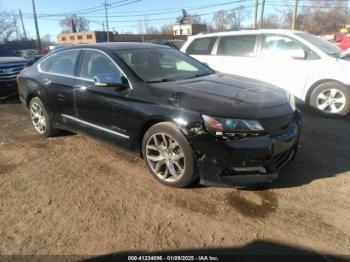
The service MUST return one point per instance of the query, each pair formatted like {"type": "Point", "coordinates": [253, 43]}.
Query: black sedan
{"type": "Point", "coordinates": [184, 119]}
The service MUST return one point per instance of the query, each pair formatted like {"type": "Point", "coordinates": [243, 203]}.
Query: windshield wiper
{"type": "Point", "coordinates": [175, 79]}
{"type": "Point", "coordinates": [197, 75]}
{"type": "Point", "coordinates": [161, 80]}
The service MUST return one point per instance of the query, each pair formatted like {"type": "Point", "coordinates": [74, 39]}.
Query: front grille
{"type": "Point", "coordinates": [8, 72]}
{"type": "Point", "coordinates": [277, 125]}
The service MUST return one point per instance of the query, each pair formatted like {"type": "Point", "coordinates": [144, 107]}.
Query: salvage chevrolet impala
{"type": "Point", "coordinates": [183, 118]}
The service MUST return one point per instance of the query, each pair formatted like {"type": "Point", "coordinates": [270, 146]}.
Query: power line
{"type": "Point", "coordinates": [175, 10]}
{"type": "Point", "coordinates": [160, 19]}
{"type": "Point", "coordinates": [142, 15]}
{"type": "Point", "coordinates": [92, 9]}
{"type": "Point", "coordinates": [101, 8]}
{"type": "Point", "coordinates": [145, 13]}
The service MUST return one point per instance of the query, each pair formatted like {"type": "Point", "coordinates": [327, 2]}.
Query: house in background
{"type": "Point", "coordinates": [189, 29]}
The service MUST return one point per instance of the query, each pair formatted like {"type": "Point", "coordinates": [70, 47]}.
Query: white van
{"type": "Point", "coordinates": [305, 65]}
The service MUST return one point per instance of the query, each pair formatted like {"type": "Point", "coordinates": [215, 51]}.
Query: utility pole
{"type": "Point", "coordinates": [143, 38]}
{"type": "Point", "coordinates": [24, 30]}
{"type": "Point", "coordinates": [103, 26]}
{"type": "Point", "coordinates": [16, 28]}
{"type": "Point", "coordinates": [36, 26]}
{"type": "Point", "coordinates": [106, 13]}
{"type": "Point", "coordinates": [255, 18]}
{"type": "Point", "coordinates": [262, 13]}
{"type": "Point", "coordinates": [295, 10]}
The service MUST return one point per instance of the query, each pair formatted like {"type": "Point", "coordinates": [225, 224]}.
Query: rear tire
{"type": "Point", "coordinates": [331, 98]}
{"type": "Point", "coordinates": [40, 118]}
{"type": "Point", "coordinates": [168, 155]}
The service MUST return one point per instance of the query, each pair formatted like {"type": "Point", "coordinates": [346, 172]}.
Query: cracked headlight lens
{"type": "Point", "coordinates": [219, 126]}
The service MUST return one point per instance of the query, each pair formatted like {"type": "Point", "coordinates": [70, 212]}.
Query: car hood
{"type": "Point", "coordinates": [225, 95]}
{"type": "Point", "coordinates": [12, 59]}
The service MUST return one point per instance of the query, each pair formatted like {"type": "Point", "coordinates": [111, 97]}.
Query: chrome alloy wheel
{"type": "Point", "coordinates": [331, 100]}
{"type": "Point", "coordinates": [165, 157]}
{"type": "Point", "coordinates": [38, 117]}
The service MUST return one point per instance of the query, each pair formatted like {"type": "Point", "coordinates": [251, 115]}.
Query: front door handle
{"type": "Point", "coordinates": [171, 101]}
{"type": "Point", "coordinates": [47, 81]}
{"type": "Point", "coordinates": [81, 88]}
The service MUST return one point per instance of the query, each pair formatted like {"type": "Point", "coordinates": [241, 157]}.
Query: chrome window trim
{"type": "Point", "coordinates": [95, 126]}
{"type": "Point", "coordinates": [82, 78]}
{"type": "Point", "coordinates": [51, 55]}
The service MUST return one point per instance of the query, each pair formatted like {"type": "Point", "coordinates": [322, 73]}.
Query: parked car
{"type": "Point", "coordinates": [183, 118]}
{"type": "Point", "coordinates": [174, 43]}
{"type": "Point", "coordinates": [29, 53]}
{"type": "Point", "coordinates": [10, 66]}
{"type": "Point", "coordinates": [308, 67]}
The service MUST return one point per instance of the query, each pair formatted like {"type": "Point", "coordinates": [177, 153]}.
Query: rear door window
{"type": "Point", "coordinates": [237, 45]}
{"type": "Point", "coordinates": [62, 63]}
{"type": "Point", "coordinates": [201, 46]}
{"type": "Point", "coordinates": [276, 46]}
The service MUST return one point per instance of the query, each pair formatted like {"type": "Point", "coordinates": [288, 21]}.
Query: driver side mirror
{"type": "Point", "coordinates": [111, 80]}
{"type": "Point", "coordinates": [298, 54]}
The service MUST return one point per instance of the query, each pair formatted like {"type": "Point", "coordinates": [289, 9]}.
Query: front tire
{"type": "Point", "coordinates": [331, 98]}
{"type": "Point", "coordinates": [40, 118]}
{"type": "Point", "coordinates": [168, 155]}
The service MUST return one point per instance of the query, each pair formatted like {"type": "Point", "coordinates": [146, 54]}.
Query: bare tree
{"type": "Point", "coordinates": [236, 16]}
{"type": "Point", "coordinates": [221, 20]}
{"type": "Point", "coordinates": [166, 29]}
{"type": "Point", "coordinates": [272, 21]}
{"type": "Point", "coordinates": [151, 30]}
{"type": "Point", "coordinates": [145, 28]}
{"type": "Point", "coordinates": [81, 24]}
{"type": "Point", "coordinates": [7, 26]}
{"type": "Point", "coordinates": [318, 17]}
{"type": "Point", "coordinates": [228, 20]}
{"type": "Point", "coordinates": [183, 18]}
{"type": "Point", "coordinates": [186, 18]}
{"type": "Point", "coordinates": [46, 41]}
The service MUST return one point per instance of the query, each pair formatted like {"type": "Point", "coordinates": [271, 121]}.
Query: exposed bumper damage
{"type": "Point", "coordinates": [245, 161]}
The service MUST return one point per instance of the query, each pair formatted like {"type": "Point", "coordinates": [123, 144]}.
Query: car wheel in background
{"type": "Point", "coordinates": [168, 155]}
{"type": "Point", "coordinates": [40, 118]}
{"type": "Point", "coordinates": [331, 98]}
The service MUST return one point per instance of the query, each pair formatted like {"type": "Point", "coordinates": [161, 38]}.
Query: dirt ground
{"type": "Point", "coordinates": [74, 195]}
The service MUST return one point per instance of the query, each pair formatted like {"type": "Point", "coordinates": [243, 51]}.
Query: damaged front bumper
{"type": "Point", "coordinates": [245, 161]}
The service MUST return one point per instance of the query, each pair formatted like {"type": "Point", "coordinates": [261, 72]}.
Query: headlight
{"type": "Point", "coordinates": [292, 102]}
{"type": "Point", "coordinates": [220, 126]}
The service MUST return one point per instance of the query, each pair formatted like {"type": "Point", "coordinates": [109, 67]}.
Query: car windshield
{"type": "Point", "coordinates": [323, 45]}
{"type": "Point", "coordinates": [4, 51]}
{"type": "Point", "coordinates": [178, 44]}
{"type": "Point", "coordinates": [162, 64]}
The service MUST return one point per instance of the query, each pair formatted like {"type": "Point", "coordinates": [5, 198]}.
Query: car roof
{"type": "Point", "coordinates": [250, 32]}
{"type": "Point", "coordinates": [114, 46]}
